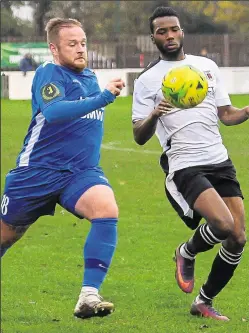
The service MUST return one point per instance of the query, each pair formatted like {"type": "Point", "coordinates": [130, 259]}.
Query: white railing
{"type": "Point", "coordinates": [236, 80]}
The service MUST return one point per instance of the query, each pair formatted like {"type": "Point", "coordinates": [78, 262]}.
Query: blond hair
{"type": "Point", "coordinates": [54, 25]}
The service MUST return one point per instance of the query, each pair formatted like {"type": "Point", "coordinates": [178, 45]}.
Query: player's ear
{"type": "Point", "coordinates": [152, 39]}
{"type": "Point", "coordinates": [53, 49]}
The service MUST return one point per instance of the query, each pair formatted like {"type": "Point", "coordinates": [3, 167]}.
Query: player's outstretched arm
{"type": "Point", "coordinates": [229, 115]}
{"type": "Point", "coordinates": [68, 110]}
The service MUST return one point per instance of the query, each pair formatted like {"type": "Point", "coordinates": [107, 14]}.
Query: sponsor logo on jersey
{"type": "Point", "coordinates": [96, 114]}
{"type": "Point", "coordinates": [49, 92]}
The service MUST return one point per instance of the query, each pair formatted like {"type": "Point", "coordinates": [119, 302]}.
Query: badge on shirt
{"type": "Point", "coordinates": [49, 92]}
{"type": "Point", "coordinates": [209, 75]}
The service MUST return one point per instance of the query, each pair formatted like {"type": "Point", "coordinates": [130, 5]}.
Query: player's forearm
{"type": "Point", "coordinates": [143, 130]}
{"type": "Point", "coordinates": [69, 110]}
{"type": "Point", "coordinates": [235, 117]}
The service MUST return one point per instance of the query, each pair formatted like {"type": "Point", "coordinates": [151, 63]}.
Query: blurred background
{"type": "Point", "coordinates": [118, 31]}
{"type": "Point", "coordinates": [119, 43]}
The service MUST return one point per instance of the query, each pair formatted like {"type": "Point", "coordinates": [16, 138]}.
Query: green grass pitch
{"type": "Point", "coordinates": [42, 273]}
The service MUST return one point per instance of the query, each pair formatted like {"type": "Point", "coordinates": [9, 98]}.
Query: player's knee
{"type": "Point", "coordinates": [223, 227]}
{"type": "Point", "coordinates": [107, 210]}
{"type": "Point", "coordinates": [110, 210]}
{"type": "Point", "coordinates": [115, 211]}
{"type": "Point", "coordinates": [236, 242]}
{"type": "Point", "coordinates": [240, 240]}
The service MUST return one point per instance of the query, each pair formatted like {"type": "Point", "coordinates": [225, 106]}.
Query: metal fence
{"type": "Point", "coordinates": [225, 50]}
{"type": "Point", "coordinates": [137, 51]}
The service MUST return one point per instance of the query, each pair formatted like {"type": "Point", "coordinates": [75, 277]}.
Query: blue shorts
{"type": "Point", "coordinates": [31, 192]}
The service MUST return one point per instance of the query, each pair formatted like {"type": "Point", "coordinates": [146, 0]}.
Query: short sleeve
{"type": "Point", "coordinates": [221, 96]}
{"type": "Point", "coordinates": [48, 86]}
{"type": "Point", "coordinates": [143, 101]}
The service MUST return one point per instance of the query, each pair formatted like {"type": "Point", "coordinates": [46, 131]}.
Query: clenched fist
{"type": "Point", "coordinates": [115, 86]}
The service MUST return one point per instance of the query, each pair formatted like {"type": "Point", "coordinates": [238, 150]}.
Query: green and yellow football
{"type": "Point", "coordinates": [185, 86]}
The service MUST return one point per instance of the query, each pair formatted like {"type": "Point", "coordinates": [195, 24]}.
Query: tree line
{"type": "Point", "coordinates": [108, 20]}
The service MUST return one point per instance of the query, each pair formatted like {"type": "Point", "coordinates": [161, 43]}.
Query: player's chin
{"type": "Point", "coordinates": [80, 63]}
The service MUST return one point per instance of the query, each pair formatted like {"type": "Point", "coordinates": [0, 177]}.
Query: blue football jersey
{"type": "Point", "coordinates": [66, 145]}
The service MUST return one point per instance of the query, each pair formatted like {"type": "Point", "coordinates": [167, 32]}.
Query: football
{"type": "Point", "coordinates": [185, 86]}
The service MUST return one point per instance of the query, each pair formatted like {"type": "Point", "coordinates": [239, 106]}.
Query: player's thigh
{"type": "Point", "coordinates": [89, 195]}
{"type": "Point", "coordinates": [211, 206]}
{"type": "Point", "coordinates": [30, 193]}
{"type": "Point", "coordinates": [228, 187]}
{"type": "Point", "coordinates": [225, 182]}
{"type": "Point", "coordinates": [236, 207]}
{"type": "Point", "coordinates": [198, 192]}
{"type": "Point", "coordinates": [97, 202]}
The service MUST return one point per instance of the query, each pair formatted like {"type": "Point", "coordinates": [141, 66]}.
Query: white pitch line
{"type": "Point", "coordinates": [132, 150]}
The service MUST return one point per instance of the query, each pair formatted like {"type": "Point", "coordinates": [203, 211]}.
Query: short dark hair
{"type": "Point", "coordinates": [161, 12]}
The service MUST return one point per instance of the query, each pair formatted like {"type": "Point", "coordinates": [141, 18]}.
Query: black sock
{"type": "Point", "coordinates": [203, 239]}
{"type": "Point", "coordinates": [222, 270]}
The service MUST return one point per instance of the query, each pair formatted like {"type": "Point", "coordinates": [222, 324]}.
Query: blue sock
{"type": "Point", "coordinates": [98, 251]}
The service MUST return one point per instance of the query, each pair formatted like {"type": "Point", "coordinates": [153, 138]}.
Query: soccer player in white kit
{"type": "Point", "coordinates": [200, 177]}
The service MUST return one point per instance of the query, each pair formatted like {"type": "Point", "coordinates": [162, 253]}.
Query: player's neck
{"type": "Point", "coordinates": [176, 57]}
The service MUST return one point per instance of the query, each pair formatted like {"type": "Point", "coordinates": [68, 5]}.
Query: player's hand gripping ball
{"type": "Point", "coordinates": [185, 86]}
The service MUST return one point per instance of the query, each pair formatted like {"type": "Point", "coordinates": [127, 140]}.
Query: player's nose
{"type": "Point", "coordinates": [80, 48]}
{"type": "Point", "coordinates": [170, 36]}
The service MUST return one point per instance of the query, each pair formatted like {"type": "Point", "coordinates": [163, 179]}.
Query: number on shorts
{"type": "Point", "coordinates": [4, 204]}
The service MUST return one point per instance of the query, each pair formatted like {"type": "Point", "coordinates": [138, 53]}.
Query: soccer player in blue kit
{"type": "Point", "coordinates": [59, 161]}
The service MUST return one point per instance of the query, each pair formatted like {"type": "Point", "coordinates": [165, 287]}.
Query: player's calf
{"type": "Point", "coordinates": [204, 239]}
{"type": "Point", "coordinates": [223, 268]}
